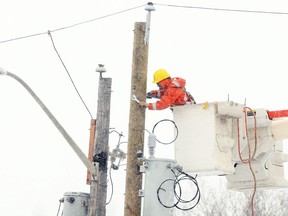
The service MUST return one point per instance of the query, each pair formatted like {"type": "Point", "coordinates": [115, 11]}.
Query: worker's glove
{"type": "Point", "coordinates": [143, 104]}
{"type": "Point", "coordinates": [149, 95]}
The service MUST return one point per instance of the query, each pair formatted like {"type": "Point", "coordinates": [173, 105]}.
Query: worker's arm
{"type": "Point", "coordinates": [164, 103]}
{"type": "Point", "coordinates": [154, 94]}
{"type": "Point", "coordinates": [166, 100]}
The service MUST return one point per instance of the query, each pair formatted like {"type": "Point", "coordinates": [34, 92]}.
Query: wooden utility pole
{"type": "Point", "coordinates": [98, 188]}
{"type": "Point", "coordinates": [136, 122]}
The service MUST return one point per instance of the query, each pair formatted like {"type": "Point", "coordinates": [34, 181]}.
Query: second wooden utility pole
{"type": "Point", "coordinates": [98, 188]}
{"type": "Point", "coordinates": [136, 122]}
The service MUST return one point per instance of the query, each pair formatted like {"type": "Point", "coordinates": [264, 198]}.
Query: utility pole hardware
{"type": "Point", "coordinates": [149, 7]}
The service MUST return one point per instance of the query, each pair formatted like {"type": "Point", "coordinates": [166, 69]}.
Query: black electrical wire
{"type": "Point", "coordinates": [182, 176]}
{"type": "Point", "coordinates": [224, 9]}
{"type": "Point", "coordinates": [112, 187]}
{"type": "Point", "coordinates": [169, 5]}
{"type": "Point", "coordinates": [160, 188]}
{"type": "Point", "coordinates": [49, 33]}
{"type": "Point", "coordinates": [60, 202]}
{"type": "Point", "coordinates": [166, 143]}
{"type": "Point", "coordinates": [71, 26]}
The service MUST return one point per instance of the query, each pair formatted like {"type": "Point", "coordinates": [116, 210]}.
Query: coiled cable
{"type": "Point", "coordinates": [180, 177]}
{"type": "Point", "coordinates": [177, 132]}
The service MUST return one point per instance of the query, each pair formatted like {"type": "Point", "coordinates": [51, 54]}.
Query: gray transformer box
{"type": "Point", "coordinates": [76, 204]}
{"type": "Point", "coordinates": [159, 187]}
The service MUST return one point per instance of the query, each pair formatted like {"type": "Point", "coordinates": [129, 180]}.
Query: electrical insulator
{"type": "Point", "coordinates": [101, 68]}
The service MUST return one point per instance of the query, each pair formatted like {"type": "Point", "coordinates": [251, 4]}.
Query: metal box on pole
{"type": "Point", "coordinates": [159, 187]}
{"type": "Point", "coordinates": [75, 204]}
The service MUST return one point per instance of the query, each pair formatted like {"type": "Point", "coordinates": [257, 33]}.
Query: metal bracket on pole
{"type": "Point", "coordinates": [149, 7]}
{"type": "Point", "coordinates": [94, 171]}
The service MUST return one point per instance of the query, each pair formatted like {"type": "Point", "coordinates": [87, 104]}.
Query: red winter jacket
{"type": "Point", "coordinates": [172, 94]}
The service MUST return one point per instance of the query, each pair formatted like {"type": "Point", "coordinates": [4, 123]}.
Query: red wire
{"type": "Point", "coordinates": [249, 151]}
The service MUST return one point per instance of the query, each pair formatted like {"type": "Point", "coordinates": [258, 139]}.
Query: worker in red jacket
{"type": "Point", "coordinates": [171, 92]}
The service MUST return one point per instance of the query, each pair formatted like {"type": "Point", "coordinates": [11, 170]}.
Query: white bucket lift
{"type": "Point", "coordinates": [268, 160]}
{"type": "Point", "coordinates": [210, 141]}
{"type": "Point", "coordinates": [206, 138]}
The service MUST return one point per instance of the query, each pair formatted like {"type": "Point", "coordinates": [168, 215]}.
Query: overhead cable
{"type": "Point", "coordinates": [71, 26]}
{"type": "Point", "coordinates": [224, 9]}
{"type": "Point", "coordinates": [169, 5]}
{"type": "Point", "coordinates": [49, 33]}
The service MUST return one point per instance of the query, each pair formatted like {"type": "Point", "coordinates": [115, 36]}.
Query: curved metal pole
{"type": "Point", "coordinates": [90, 166]}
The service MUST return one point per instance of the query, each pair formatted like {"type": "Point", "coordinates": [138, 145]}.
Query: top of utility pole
{"type": "Point", "coordinates": [100, 69]}
{"type": "Point", "coordinates": [149, 7]}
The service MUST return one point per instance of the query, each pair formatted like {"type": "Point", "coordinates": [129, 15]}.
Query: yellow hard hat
{"type": "Point", "coordinates": [160, 75]}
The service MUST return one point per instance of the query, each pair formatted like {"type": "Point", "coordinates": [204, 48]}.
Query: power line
{"type": "Point", "coordinates": [71, 26]}
{"type": "Point", "coordinates": [168, 5]}
{"type": "Point", "coordinates": [105, 16]}
{"type": "Point", "coordinates": [49, 33]}
{"type": "Point", "coordinates": [224, 9]}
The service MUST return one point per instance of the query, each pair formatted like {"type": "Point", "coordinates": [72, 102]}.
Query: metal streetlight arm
{"type": "Point", "coordinates": [3, 71]}
{"type": "Point", "coordinates": [92, 167]}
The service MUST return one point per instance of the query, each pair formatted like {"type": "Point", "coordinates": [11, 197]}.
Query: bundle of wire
{"type": "Point", "coordinates": [181, 203]}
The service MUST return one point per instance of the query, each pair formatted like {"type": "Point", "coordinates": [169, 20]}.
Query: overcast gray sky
{"type": "Point", "coordinates": [219, 53]}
